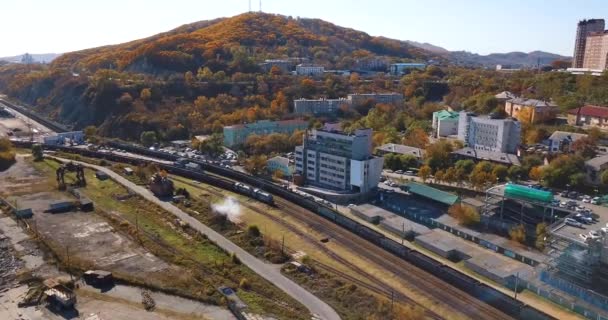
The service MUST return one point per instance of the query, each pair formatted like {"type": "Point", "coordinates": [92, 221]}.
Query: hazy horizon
{"type": "Point", "coordinates": [470, 25]}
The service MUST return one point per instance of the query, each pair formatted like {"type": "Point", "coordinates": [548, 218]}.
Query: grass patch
{"type": "Point", "coordinates": [159, 232]}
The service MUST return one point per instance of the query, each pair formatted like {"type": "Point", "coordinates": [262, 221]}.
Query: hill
{"type": "Point", "coordinates": [516, 59]}
{"type": "Point", "coordinates": [225, 44]}
{"type": "Point", "coordinates": [36, 57]}
{"type": "Point", "coordinates": [197, 77]}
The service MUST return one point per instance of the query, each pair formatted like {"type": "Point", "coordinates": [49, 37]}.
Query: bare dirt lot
{"type": "Point", "coordinates": [89, 241]}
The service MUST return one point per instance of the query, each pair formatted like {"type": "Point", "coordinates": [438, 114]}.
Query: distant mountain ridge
{"type": "Point", "coordinates": [37, 57]}
{"type": "Point", "coordinates": [516, 58]}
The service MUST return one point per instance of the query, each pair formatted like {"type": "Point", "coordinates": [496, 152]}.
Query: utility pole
{"type": "Point", "coordinates": [260, 5]}
{"type": "Point", "coordinates": [67, 253]}
{"type": "Point", "coordinates": [516, 284]}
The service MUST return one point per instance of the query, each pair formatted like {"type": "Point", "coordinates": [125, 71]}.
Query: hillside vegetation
{"type": "Point", "coordinates": [200, 77]}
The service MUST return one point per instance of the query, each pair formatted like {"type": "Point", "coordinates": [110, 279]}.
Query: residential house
{"type": "Point", "coordinates": [530, 110]}
{"type": "Point", "coordinates": [589, 116]}
{"type": "Point", "coordinates": [561, 141]}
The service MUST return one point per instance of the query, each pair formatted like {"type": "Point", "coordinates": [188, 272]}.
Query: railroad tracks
{"type": "Point", "coordinates": [379, 287]}
{"type": "Point", "coordinates": [422, 280]}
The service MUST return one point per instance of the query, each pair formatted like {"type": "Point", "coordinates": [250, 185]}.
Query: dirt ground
{"type": "Point", "coordinates": [89, 241]}
{"type": "Point", "coordinates": [22, 128]}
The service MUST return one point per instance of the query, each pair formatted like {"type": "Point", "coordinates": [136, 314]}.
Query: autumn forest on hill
{"type": "Point", "coordinates": [200, 77]}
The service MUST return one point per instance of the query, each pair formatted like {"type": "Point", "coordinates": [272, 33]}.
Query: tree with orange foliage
{"type": "Point", "coordinates": [535, 173]}
{"type": "Point", "coordinates": [416, 137]}
{"type": "Point", "coordinates": [279, 105]}
{"type": "Point", "coordinates": [276, 71]}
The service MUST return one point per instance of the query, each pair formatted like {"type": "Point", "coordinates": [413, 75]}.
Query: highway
{"type": "Point", "coordinates": [316, 306]}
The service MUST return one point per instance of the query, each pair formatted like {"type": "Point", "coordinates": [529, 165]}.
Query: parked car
{"type": "Point", "coordinates": [409, 173]}
{"type": "Point", "coordinates": [586, 200]}
{"type": "Point", "coordinates": [574, 223]}
{"type": "Point", "coordinates": [583, 236]}
{"type": "Point", "coordinates": [573, 195]}
{"type": "Point", "coordinates": [595, 200]}
{"type": "Point", "coordinates": [594, 235]}
{"type": "Point", "coordinates": [583, 219]}
{"type": "Point", "coordinates": [399, 172]}
{"type": "Point", "coordinates": [564, 194]}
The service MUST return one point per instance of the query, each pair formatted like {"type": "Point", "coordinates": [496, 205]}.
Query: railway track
{"type": "Point", "coordinates": [379, 288]}
{"type": "Point", "coordinates": [419, 278]}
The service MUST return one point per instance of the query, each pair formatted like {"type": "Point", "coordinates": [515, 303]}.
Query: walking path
{"type": "Point", "coordinates": [316, 306]}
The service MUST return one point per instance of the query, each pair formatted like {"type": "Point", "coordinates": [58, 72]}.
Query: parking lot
{"type": "Point", "coordinates": [579, 232]}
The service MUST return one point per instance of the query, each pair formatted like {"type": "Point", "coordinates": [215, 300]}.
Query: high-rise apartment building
{"type": "Point", "coordinates": [339, 161]}
{"type": "Point", "coordinates": [596, 51]}
{"type": "Point", "coordinates": [584, 29]}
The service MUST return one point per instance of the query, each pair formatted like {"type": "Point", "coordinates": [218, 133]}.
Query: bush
{"type": "Point", "coordinates": [253, 231]}
{"type": "Point", "coordinates": [465, 215]}
{"type": "Point", "coordinates": [7, 154]}
{"type": "Point", "coordinates": [234, 258]}
{"type": "Point", "coordinates": [518, 233]}
{"type": "Point", "coordinates": [37, 152]}
{"type": "Point", "coordinates": [244, 284]}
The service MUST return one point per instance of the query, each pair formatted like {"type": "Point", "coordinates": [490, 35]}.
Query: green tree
{"type": "Point", "coordinates": [466, 165]}
{"type": "Point", "coordinates": [213, 146]}
{"type": "Point", "coordinates": [604, 177]}
{"type": "Point", "coordinates": [37, 152]}
{"type": "Point", "coordinates": [256, 165]}
{"type": "Point", "coordinates": [516, 173]}
{"type": "Point", "coordinates": [148, 138]}
{"type": "Point", "coordinates": [437, 155]}
{"type": "Point", "coordinates": [541, 234]}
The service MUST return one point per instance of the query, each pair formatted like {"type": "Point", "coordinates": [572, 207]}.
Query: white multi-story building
{"type": "Point", "coordinates": [483, 133]}
{"type": "Point", "coordinates": [445, 123]}
{"type": "Point", "coordinates": [339, 161]}
{"type": "Point", "coordinates": [306, 69]}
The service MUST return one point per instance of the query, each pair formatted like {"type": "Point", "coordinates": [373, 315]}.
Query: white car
{"type": "Point", "coordinates": [587, 200]}
{"type": "Point", "coordinates": [594, 235]}
{"type": "Point", "coordinates": [583, 236]}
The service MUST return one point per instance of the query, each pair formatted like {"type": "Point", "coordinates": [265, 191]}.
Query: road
{"type": "Point", "coordinates": [42, 131]}
{"type": "Point", "coordinates": [269, 272]}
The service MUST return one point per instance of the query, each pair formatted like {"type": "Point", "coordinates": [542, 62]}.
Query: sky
{"type": "Point", "coordinates": [480, 26]}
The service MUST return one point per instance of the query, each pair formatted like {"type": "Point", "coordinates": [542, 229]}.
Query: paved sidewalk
{"type": "Point", "coordinates": [316, 306]}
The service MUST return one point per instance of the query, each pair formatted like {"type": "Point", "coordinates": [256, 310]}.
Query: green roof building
{"type": "Point", "coordinates": [445, 123]}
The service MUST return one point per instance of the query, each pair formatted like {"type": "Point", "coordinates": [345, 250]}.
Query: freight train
{"type": "Point", "coordinates": [254, 193]}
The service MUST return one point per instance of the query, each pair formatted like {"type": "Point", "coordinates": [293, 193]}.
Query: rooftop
{"type": "Point", "coordinates": [282, 160]}
{"type": "Point", "coordinates": [499, 157]}
{"type": "Point", "coordinates": [401, 149]}
{"type": "Point", "coordinates": [591, 111]}
{"type": "Point", "coordinates": [445, 114]}
{"type": "Point", "coordinates": [597, 162]}
{"type": "Point", "coordinates": [268, 122]}
{"type": "Point", "coordinates": [505, 95]}
{"type": "Point", "coordinates": [431, 193]}
{"type": "Point", "coordinates": [563, 135]}
{"type": "Point", "coordinates": [532, 103]}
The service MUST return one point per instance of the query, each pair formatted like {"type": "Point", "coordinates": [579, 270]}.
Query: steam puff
{"type": "Point", "coordinates": [230, 208]}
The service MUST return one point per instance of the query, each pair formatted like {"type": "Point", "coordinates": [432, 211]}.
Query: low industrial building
{"type": "Point", "coordinates": [370, 213]}
{"type": "Point", "coordinates": [400, 149]}
{"type": "Point", "coordinates": [594, 169]}
{"type": "Point", "coordinates": [507, 159]}
{"type": "Point", "coordinates": [63, 138]}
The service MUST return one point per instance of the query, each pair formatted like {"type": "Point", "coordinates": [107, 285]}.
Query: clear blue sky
{"type": "Point", "coordinates": [482, 26]}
